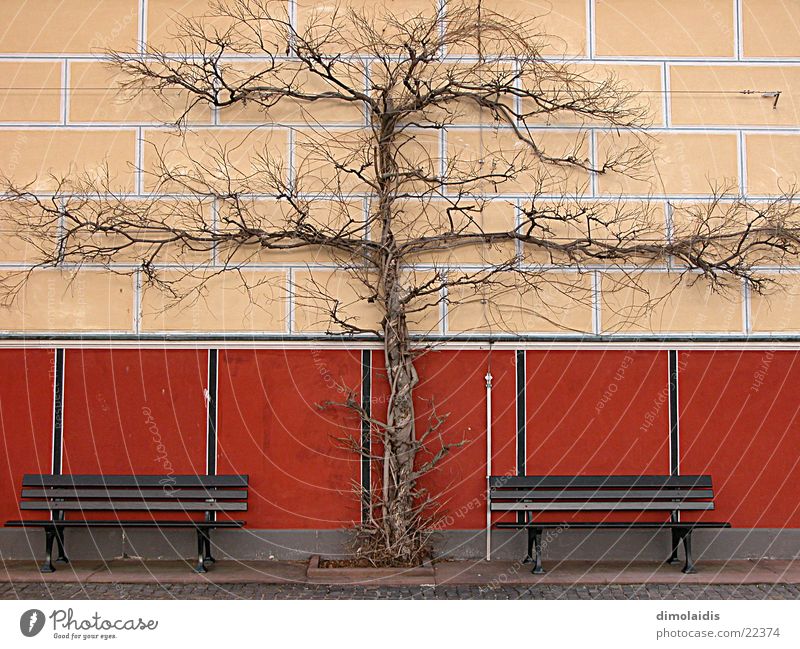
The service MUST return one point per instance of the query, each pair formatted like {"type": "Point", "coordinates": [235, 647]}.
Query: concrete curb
{"type": "Point", "coordinates": [417, 576]}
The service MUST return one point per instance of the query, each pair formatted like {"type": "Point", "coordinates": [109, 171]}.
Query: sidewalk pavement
{"type": "Point", "coordinates": [444, 573]}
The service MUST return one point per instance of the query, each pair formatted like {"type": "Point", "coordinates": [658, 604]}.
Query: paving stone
{"type": "Point", "coordinates": [298, 591]}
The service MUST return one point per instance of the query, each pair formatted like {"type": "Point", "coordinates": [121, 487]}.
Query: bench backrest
{"type": "Point", "coordinates": [176, 493]}
{"type": "Point", "coordinates": [601, 493]}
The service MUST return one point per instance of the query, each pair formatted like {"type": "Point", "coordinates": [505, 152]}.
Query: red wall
{"type": "Point", "coordinates": [739, 422]}
{"type": "Point", "coordinates": [587, 412]}
{"type": "Point", "coordinates": [453, 384]}
{"type": "Point", "coordinates": [271, 428]}
{"type": "Point", "coordinates": [597, 413]}
{"type": "Point", "coordinates": [26, 422]}
{"type": "Point", "coordinates": [135, 411]}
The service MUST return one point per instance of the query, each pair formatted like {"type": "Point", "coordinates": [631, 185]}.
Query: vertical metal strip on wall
{"type": "Point", "coordinates": [366, 443]}
{"type": "Point", "coordinates": [521, 411]}
{"type": "Point", "coordinates": [211, 412]}
{"type": "Point", "coordinates": [58, 411]}
{"type": "Point", "coordinates": [674, 428]}
{"type": "Point", "coordinates": [521, 419]}
{"type": "Point", "coordinates": [58, 419]}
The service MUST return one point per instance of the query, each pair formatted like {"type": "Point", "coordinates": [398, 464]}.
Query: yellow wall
{"type": "Point", "coordinates": [58, 114]}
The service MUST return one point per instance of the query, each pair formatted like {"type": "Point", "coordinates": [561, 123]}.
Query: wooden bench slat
{"type": "Point", "coordinates": [39, 480]}
{"type": "Point", "coordinates": [601, 506]}
{"type": "Point", "coordinates": [133, 506]}
{"type": "Point", "coordinates": [613, 525]}
{"type": "Point", "coordinates": [58, 492]}
{"type": "Point", "coordinates": [595, 481]}
{"type": "Point", "coordinates": [566, 494]}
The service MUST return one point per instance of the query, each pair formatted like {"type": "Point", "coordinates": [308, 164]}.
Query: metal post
{"type": "Point", "coordinates": [488, 378]}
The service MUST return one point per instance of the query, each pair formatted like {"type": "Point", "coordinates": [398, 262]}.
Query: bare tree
{"type": "Point", "coordinates": [429, 233]}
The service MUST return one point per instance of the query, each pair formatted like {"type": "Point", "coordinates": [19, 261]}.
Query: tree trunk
{"type": "Point", "coordinates": [400, 518]}
{"type": "Point", "coordinates": [400, 521]}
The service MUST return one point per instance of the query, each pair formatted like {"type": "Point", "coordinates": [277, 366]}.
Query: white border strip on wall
{"type": "Point", "coordinates": [137, 302]}
{"type": "Point", "coordinates": [675, 342]}
{"type": "Point", "coordinates": [65, 81]}
{"type": "Point", "coordinates": [738, 34]}
{"type": "Point", "coordinates": [747, 322]}
{"type": "Point", "coordinates": [142, 26]}
{"type": "Point", "coordinates": [597, 320]}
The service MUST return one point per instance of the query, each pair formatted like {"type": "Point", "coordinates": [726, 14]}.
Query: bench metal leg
{"type": "Point", "coordinates": [207, 558]}
{"type": "Point", "coordinates": [537, 541]}
{"type": "Point", "coordinates": [201, 551]}
{"type": "Point", "coordinates": [62, 556]}
{"type": "Point", "coordinates": [529, 556]}
{"type": "Point", "coordinates": [676, 541]}
{"type": "Point", "coordinates": [50, 536]}
{"type": "Point", "coordinates": [689, 568]}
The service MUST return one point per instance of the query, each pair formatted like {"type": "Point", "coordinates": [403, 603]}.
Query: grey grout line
{"type": "Point", "coordinates": [139, 169]}
{"type": "Point", "coordinates": [741, 149]}
{"type": "Point", "coordinates": [214, 251]}
{"type": "Point", "coordinates": [747, 321]}
{"type": "Point", "coordinates": [291, 162]}
{"type": "Point", "coordinates": [669, 230]}
{"type": "Point", "coordinates": [443, 143]}
{"type": "Point", "coordinates": [529, 339]}
{"type": "Point", "coordinates": [615, 60]}
{"type": "Point", "coordinates": [295, 266]}
{"type": "Point", "coordinates": [667, 107]}
{"type": "Point", "coordinates": [142, 26]}
{"type": "Point", "coordinates": [137, 302]}
{"type": "Point", "coordinates": [444, 309]}
{"type": "Point", "coordinates": [597, 309]}
{"type": "Point", "coordinates": [738, 35]}
{"type": "Point", "coordinates": [699, 129]}
{"type": "Point", "coordinates": [582, 197]}
{"type": "Point", "coordinates": [292, 21]}
{"type": "Point", "coordinates": [65, 80]}
{"type": "Point", "coordinates": [594, 183]}
{"type": "Point", "coordinates": [290, 301]}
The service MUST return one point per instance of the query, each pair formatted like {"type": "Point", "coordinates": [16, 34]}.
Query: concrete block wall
{"type": "Point", "coordinates": [60, 114]}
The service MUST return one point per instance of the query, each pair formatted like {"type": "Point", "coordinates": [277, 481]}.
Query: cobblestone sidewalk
{"type": "Point", "coordinates": [304, 591]}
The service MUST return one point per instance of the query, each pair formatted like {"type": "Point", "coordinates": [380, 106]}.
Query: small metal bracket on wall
{"type": "Point", "coordinates": [774, 94]}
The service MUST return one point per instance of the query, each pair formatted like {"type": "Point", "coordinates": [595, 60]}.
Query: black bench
{"type": "Point", "coordinates": [66, 495]}
{"type": "Point", "coordinates": [599, 494]}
